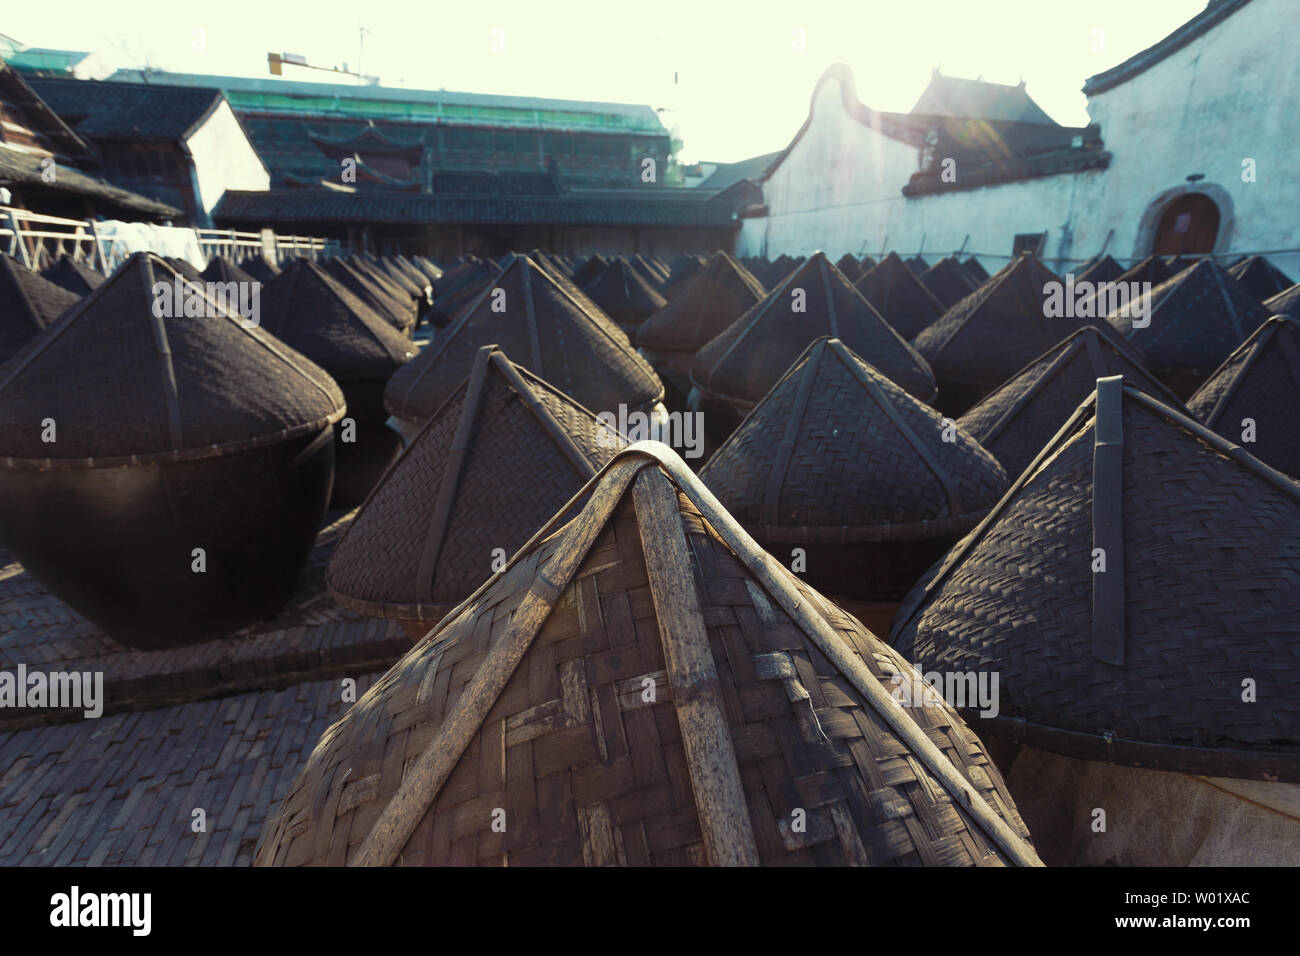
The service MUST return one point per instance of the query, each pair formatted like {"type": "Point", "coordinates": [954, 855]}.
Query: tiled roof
{"type": "Point", "coordinates": [728, 174]}
{"type": "Point", "coordinates": [629, 117]}
{"type": "Point", "coordinates": [24, 170]}
{"type": "Point", "coordinates": [959, 98]}
{"type": "Point", "coordinates": [987, 150]}
{"type": "Point", "coordinates": [1215, 12]}
{"type": "Point", "coordinates": [649, 207]}
{"type": "Point", "coordinates": [99, 109]}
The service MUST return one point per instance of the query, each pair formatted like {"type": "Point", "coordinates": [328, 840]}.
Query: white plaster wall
{"type": "Point", "coordinates": [224, 158]}
{"type": "Point", "coordinates": [829, 192]}
{"type": "Point", "coordinates": [1230, 94]}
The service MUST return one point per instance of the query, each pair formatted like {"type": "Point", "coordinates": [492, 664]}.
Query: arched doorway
{"type": "Point", "coordinates": [1188, 226]}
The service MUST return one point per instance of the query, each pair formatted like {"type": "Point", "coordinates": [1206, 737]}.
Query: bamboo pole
{"type": "Point", "coordinates": [772, 576]}
{"type": "Point", "coordinates": [693, 676]}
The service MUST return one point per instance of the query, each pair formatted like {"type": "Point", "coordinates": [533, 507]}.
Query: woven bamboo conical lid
{"type": "Point", "coordinates": [1260, 277]}
{"type": "Point", "coordinates": [485, 472]}
{"type": "Point", "coordinates": [185, 268]}
{"type": "Point", "coordinates": [623, 295]}
{"type": "Point", "coordinates": [702, 308]}
{"type": "Point", "coordinates": [1020, 417]}
{"type": "Point", "coordinates": [306, 308]}
{"type": "Point", "coordinates": [996, 331]}
{"type": "Point", "coordinates": [73, 275]}
{"type": "Point", "coordinates": [126, 385]}
{"type": "Point", "coordinates": [459, 286]}
{"type": "Point", "coordinates": [947, 281]}
{"type": "Point", "coordinates": [1286, 302]}
{"type": "Point", "coordinates": [1197, 319]}
{"type": "Point", "coordinates": [28, 303]}
{"type": "Point", "coordinates": [1253, 398]}
{"type": "Point", "coordinates": [1138, 573]}
{"type": "Point", "coordinates": [976, 271]}
{"type": "Point", "coordinates": [684, 268]}
{"type": "Point", "coordinates": [221, 269]}
{"type": "Point", "coordinates": [542, 325]}
{"type": "Point", "coordinates": [400, 312]}
{"type": "Point", "coordinates": [1104, 269]}
{"type": "Point", "coordinates": [260, 268]}
{"type": "Point", "coordinates": [1152, 269]}
{"type": "Point", "coordinates": [593, 267]}
{"type": "Point", "coordinates": [754, 352]}
{"type": "Point", "coordinates": [837, 452]}
{"type": "Point", "coordinates": [851, 267]}
{"type": "Point", "coordinates": [644, 686]}
{"type": "Point", "coordinates": [428, 267]}
{"type": "Point", "coordinates": [898, 294]}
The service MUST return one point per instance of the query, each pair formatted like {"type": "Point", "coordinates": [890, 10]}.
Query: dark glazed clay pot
{"type": "Point", "coordinates": [164, 474]}
{"type": "Point", "coordinates": [117, 544]}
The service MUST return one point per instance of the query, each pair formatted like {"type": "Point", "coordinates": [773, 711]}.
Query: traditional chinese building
{"type": "Point", "coordinates": [48, 168]}
{"type": "Point", "coordinates": [1188, 152]}
{"type": "Point", "coordinates": [182, 146]}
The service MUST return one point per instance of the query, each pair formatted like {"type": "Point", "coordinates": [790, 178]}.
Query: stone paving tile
{"type": "Point", "coordinates": [122, 790]}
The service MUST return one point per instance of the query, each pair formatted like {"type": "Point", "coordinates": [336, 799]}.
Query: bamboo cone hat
{"type": "Point", "coordinates": [646, 686]}
{"type": "Point", "coordinates": [1105, 269]}
{"type": "Point", "coordinates": [461, 285]}
{"type": "Point", "coordinates": [948, 282]}
{"type": "Point", "coordinates": [260, 268]}
{"type": "Point", "coordinates": [997, 330]}
{"type": "Point", "coordinates": [401, 313]}
{"type": "Point", "coordinates": [976, 271]}
{"type": "Point", "coordinates": [28, 303]}
{"type": "Point", "coordinates": [181, 388]}
{"type": "Point", "coordinates": [221, 269]}
{"type": "Point", "coordinates": [593, 267]}
{"type": "Point", "coordinates": [1285, 303]}
{"type": "Point", "coordinates": [1145, 663]}
{"type": "Point", "coordinates": [1198, 318]}
{"type": "Point", "coordinates": [73, 275]}
{"type": "Point", "coordinates": [545, 327]}
{"type": "Point", "coordinates": [742, 363]}
{"type": "Point", "coordinates": [483, 474]}
{"type": "Point", "coordinates": [1018, 419]}
{"type": "Point", "coordinates": [1152, 269]}
{"type": "Point", "coordinates": [851, 267]}
{"type": "Point", "coordinates": [1259, 383]}
{"type": "Point", "coordinates": [1260, 278]}
{"type": "Point", "coordinates": [305, 307]}
{"type": "Point", "coordinates": [185, 268]}
{"type": "Point", "coordinates": [896, 292]}
{"type": "Point", "coordinates": [707, 303]}
{"type": "Point", "coordinates": [623, 294]}
{"type": "Point", "coordinates": [836, 452]}
{"type": "Point", "coordinates": [684, 268]}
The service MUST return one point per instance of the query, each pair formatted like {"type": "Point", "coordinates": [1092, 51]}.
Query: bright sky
{"type": "Point", "coordinates": [733, 80]}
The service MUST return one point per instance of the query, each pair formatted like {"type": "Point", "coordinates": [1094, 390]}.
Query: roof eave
{"type": "Point", "coordinates": [1139, 63]}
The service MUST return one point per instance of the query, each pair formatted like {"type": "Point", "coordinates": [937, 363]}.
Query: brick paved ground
{"type": "Point", "coordinates": [122, 789]}
{"type": "Point", "coordinates": [224, 726]}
